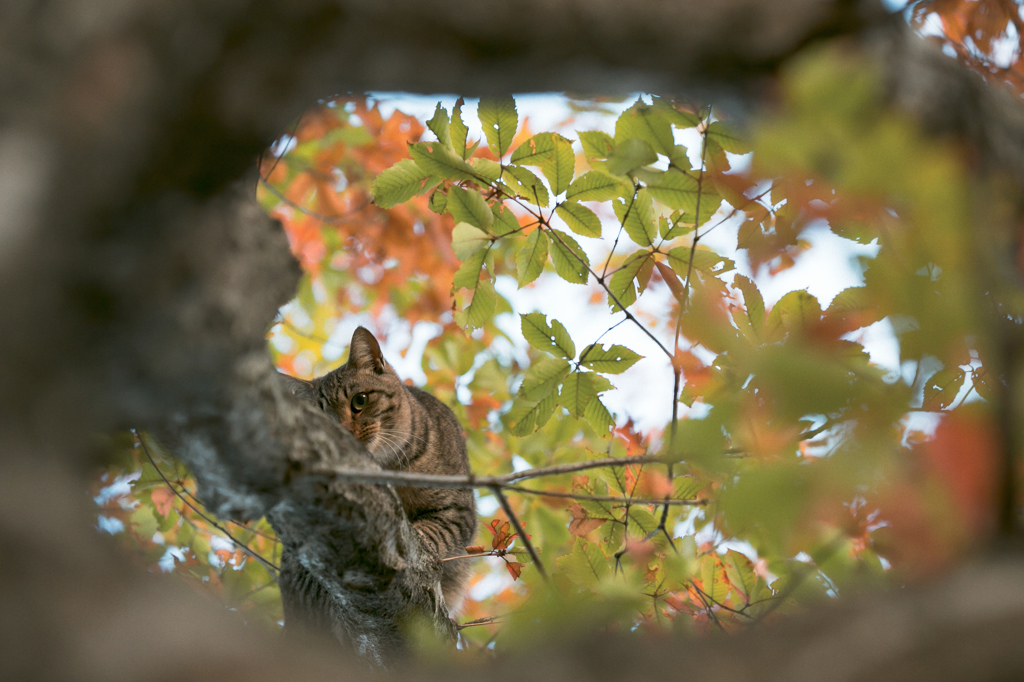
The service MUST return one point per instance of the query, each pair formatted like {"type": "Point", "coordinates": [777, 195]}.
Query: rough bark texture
{"type": "Point", "coordinates": [138, 278]}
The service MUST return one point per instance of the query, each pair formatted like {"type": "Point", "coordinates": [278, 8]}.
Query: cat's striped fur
{"type": "Point", "coordinates": [407, 429]}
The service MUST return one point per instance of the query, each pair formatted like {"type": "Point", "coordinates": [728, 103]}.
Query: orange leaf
{"type": "Point", "coordinates": [475, 549]}
{"type": "Point", "coordinates": [162, 498]}
{"type": "Point", "coordinates": [514, 569]}
{"type": "Point", "coordinates": [582, 523]}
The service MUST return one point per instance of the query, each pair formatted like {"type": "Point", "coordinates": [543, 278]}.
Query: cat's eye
{"type": "Point", "coordinates": [359, 401]}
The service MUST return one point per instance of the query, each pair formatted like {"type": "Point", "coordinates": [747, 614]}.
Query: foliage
{"type": "Point", "coordinates": [793, 467]}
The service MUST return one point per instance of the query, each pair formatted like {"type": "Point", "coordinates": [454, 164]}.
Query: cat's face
{"type": "Point", "coordinates": [369, 399]}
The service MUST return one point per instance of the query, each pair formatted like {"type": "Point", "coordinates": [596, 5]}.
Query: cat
{"type": "Point", "coordinates": [406, 429]}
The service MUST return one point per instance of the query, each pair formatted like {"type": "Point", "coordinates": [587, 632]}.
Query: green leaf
{"type": "Point", "coordinates": [553, 154]}
{"type": "Point", "coordinates": [596, 144]}
{"type": "Point", "coordinates": [551, 338]}
{"type": "Point", "coordinates": [727, 137]}
{"type": "Point", "coordinates": [674, 227]}
{"type": "Point", "coordinates": [526, 185]}
{"type": "Point", "coordinates": [740, 573]}
{"type": "Point", "coordinates": [579, 218]}
{"type": "Point", "coordinates": [505, 221]}
{"type": "Point", "coordinates": [647, 123]}
{"type": "Point", "coordinates": [400, 183]}
{"type": "Point", "coordinates": [437, 202]}
{"type": "Point", "coordinates": [615, 360]}
{"type": "Point", "coordinates": [598, 416]}
{"type": "Point", "coordinates": [686, 487]}
{"type": "Point", "coordinates": [487, 169]}
{"type": "Point", "coordinates": [526, 416]}
{"type": "Point", "coordinates": [577, 392]}
{"type": "Point", "coordinates": [144, 521]}
{"type": "Point", "coordinates": [705, 261]}
{"type": "Point", "coordinates": [712, 577]}
{"type": "Point", "coordinates": [571, 263]}
{"type": "Point", "coordinates": [459, 132]}
{"type": "Point", "coordinates": [630, 154]}
{"type": "Point", "coordinates": [585, 565]}
{"type": "Point", "coordinates": [531, 258]}
{"type": "Point", "coordinates": [597, 186]}
{"type": "Point", "coordinates": [439, 126]}
{"type": "Point", "coordinates": [636, 213]}
{"type": "Point", "coordinates": [543, 377]}
{"type": "Point", "coordinates": [499, 118]}
{"type": "Point", "coordinates": [436, 159]}
{"type": "Point", "coordinates": [481, 308]}
{"type": "Point", "coordinates": [942, 388]}
{"type": "Point", "coordinates": [468, 274]}
{"type": "Point", "coordinates": [750, 317]}
{"type": "Point", "coordinates": [467, 240]}
{"type": "Point", "coordinates": [468, 206]}
{"type": "Point", "coordinates": [630, 280]}
{"type": "Point", "coordinates": [675, 189]}
{"type": "Point", "coordinates": [794, 312]}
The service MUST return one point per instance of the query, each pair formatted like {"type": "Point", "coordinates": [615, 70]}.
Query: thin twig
{"type": "Point", "coordinates": [269, 565]}
{"type": "Point", "coordinates": [503, 501]}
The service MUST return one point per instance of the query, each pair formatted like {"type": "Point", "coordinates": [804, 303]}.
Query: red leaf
{"type": "Point", "coordinates": [502, 537]}
{"type": "Point", "coordinates": [514, 569]}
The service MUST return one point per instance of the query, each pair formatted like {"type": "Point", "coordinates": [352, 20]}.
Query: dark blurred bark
{"type": "Point", "coordinates": [138, 278]}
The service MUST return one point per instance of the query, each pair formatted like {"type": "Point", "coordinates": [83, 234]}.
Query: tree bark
{"type": "Point", "coordinates": [139, 278]}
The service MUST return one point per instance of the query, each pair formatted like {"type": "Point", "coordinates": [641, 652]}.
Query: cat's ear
{"type": "Point", "coordinates": [364, 352]}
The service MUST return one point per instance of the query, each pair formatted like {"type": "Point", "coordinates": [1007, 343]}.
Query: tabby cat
{"type": "Point", "coordinates": [406, 429]}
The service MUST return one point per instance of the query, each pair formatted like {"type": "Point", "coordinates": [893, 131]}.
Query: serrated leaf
{"type": "Point", "coordinates": [629, 281]}
{"type": "Point", "coordinates": [705, 261]}
{"type": "Point", "coordinates": [740, 573]}
{"type": "Point", "coordinates": [577, 392]}
{"type": "Point", "coordinates": [636, 214]}
{"type": "Point", "coordinates": [481, 308]}
{"type": "Point", "coordinates": [579, 218]}
{"type": "Point", "coordinates": [794, 312]}
{"type": "Point", "coordinates": [727, 137]}
{"type": "Point", "coordinates": [436, 159]}
{"type": "Point", "coordinates": [630, 154]}
{"type": "Point", "coordinates": [569, 260]}
{"type": "Point", "coordinates": [543, 377]}
{"type": "Point", "coordinates": [752, 310]}
{"type": "Point", "coordinates": [596, 144]}
{"type": "Point", "coordinates": [487, 169]}
{"type": "Point", "coordinates": [439, 125]}
{"type": "Point", "coordinates": [613, 360]}
{"type": "Point", "coordinates": [526, 185]}
{"type": "Point", "coordinates": [499, 119]}
{"type": "Point", "coordinates": [647, 123]}
{"type": "Point", "coordinates": [674, 226]}
{"type": "Point", "coordinates": [942, 388]}
{"type": "Point", "coordinates": [458, 131]}
{"type": "Point", "coordinates": [400, 183]}
{"type": "Point", "coordinates": [531, 258]}
{"type": "Point", "coordinates": [526, 416]}
{"type": "Point", "coordinates": [585, 565]}
{"type": "Point", "coordinates": [686, 487]}
{"type": "Point", "coordinates": [597, 186]}
{"type": "Point", "coordinates": [468, 206]}
{"type": "Point", "coordinates": [505, 221]}
{"type": "Point", "coordinates": [553, 338]}
{"type": "Point", "coordinates": [553, 154]}
{"type": "Point", "coordinates": [468, 239]}
{"type": "Point", "coordinates": [675, 189]}
{"type": "Point", "coordinates": [468, 274]}
{"type": "Point", "coordinates": [437, 202]}
{"type": "Point", "coordinates": [713, 579]}
{"type": "Point", "coordinates": [598, 416]}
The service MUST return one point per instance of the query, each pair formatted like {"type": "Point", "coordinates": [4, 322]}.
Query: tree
{"type": "Point", "coordinates": [139, 347]}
